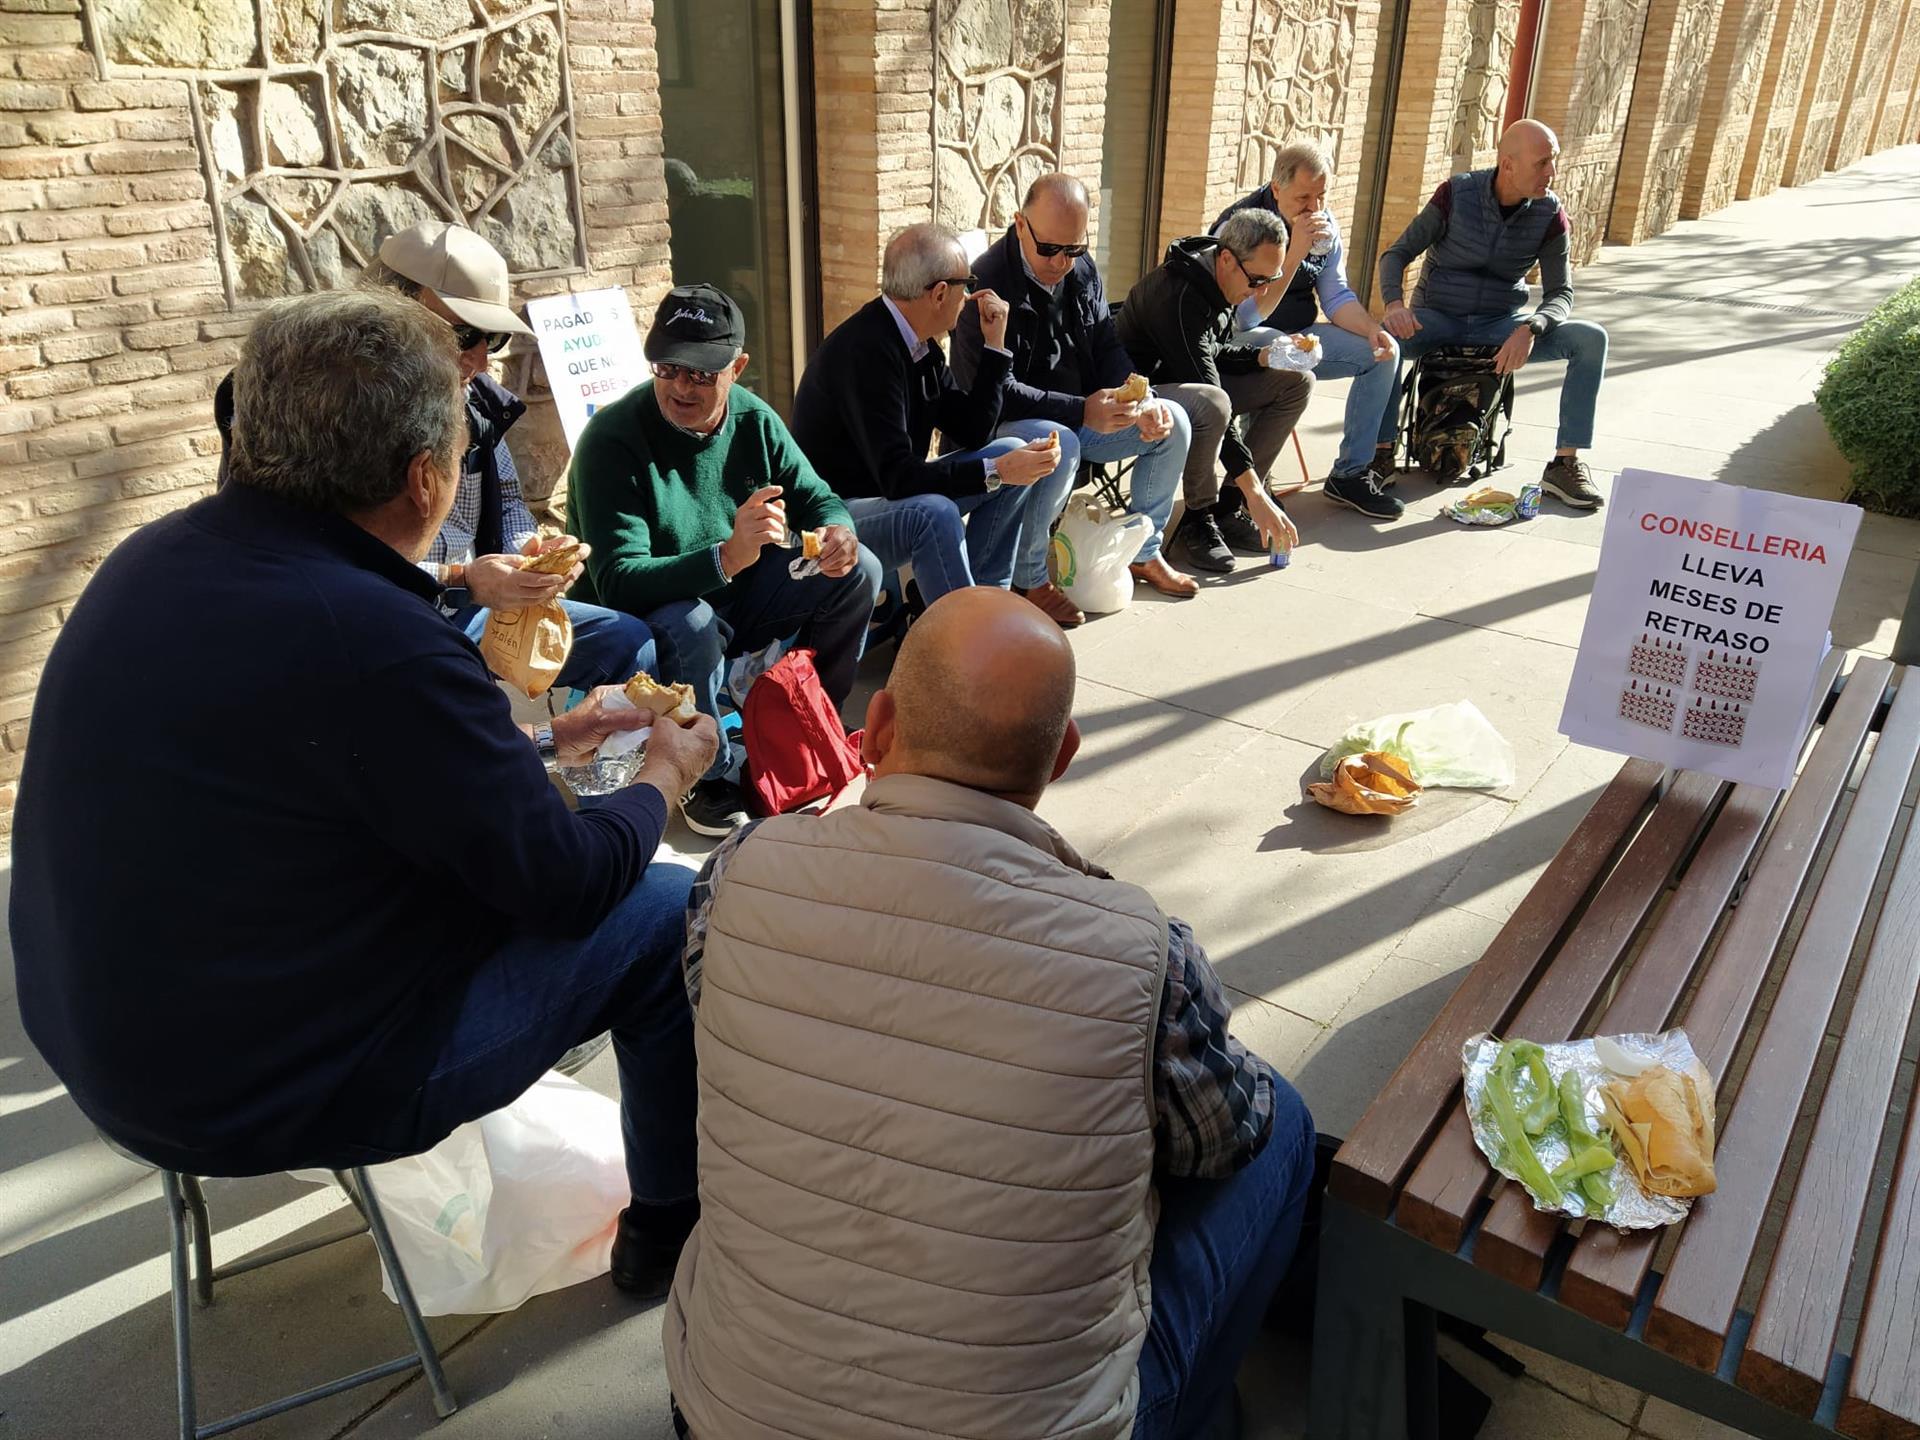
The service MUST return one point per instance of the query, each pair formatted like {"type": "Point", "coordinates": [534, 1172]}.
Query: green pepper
{"type": "Point", "coordinates": [1594, 1160]}
{"type": "Point", "coordinates": [1573, 1112]}
{"type": "Point", "coordinates": [1517, 1145]}
{"type": "Point", "coordinates": [1541, 1103]}
{"type": "Point", "coordinates": [1598, 1188]}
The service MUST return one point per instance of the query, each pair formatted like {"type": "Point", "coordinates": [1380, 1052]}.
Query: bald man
{"type": "Point", "coordinates": [923, 1027]}
{"type": "Point", "coordinates": [1482, 233]}
{"type": "Point", "coordinates": [1068, 368]}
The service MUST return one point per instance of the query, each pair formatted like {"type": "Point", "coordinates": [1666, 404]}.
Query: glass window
{"type": "Point", "coordinates": [1132, 145]}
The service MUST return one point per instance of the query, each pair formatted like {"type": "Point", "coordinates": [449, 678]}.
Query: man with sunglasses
{"type": "Point", "coordinates": [479, 549]}
{"type": "Point", "coordinates": [1068, 365]}
{"type": "Point", "coordinates": [694, 496]}
{"type": "Point", "coordinates": [877, 389]}
{"type": "Point", "coordinates": [1178, 325]}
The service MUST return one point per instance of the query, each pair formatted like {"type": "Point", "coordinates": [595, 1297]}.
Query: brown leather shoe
{"type": "Point", "coordinates": [1164, 578]}
{"type": "Point", "coordinates": [1055, 605]}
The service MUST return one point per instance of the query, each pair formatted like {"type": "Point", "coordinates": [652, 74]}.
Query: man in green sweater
{"type": "Point", "coordinates": [694, 498]}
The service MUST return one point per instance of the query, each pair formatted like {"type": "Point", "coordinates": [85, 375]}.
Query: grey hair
{"type": "Point", "coordinates": [1298, 155]}
{"type": "Point", "coordinates": [381, 276]}
{"type": "Point", "coordinates": [1245, 231]}
{"type": "Point", "coordinates": [917, 257]}
{"type": "Point", "coordinates": [335, 394]}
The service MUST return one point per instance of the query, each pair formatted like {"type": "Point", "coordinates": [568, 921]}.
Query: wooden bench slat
{"type": "Point", "coordinates": [1447, 1185]}
{"type": "Point", "coordinates": [1883, 1388]}
{"type": "Point", "coordinates": [1515, 1237]}
{"type": "Point", "coordinates": [1603, 1277]}
{"type": "Point", "coordinates": [1793, 1332]}
{"type": "Point", "coordinates": [1378, 1155]}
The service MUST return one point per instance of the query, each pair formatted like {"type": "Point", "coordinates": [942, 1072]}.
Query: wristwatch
{"type": "Point", "coordinates": [993, 475]}
{"type": "Point", "coordinates": [543, 741]}
{"type": "Point", "coordinates": [1537, 324]}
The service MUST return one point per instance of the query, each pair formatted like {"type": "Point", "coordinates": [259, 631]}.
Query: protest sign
{"type": "Point", "coordinates": [1708, 622]}
{"type": "Point", "coordinates": [591, 350]}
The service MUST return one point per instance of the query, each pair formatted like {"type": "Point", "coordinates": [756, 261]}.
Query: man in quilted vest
{"type": "Point", "coordinates": [1482, 234]}
{"type": "Point", "coordinates": [978, 1156]}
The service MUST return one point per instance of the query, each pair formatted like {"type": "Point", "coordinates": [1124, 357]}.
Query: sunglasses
{"type": "Point", "coordinates": [1050, 248]}
{"type": "Point", "coordinates": [468, 336]}
{"type": "Point", "coordinates": [1256, 281]}
{"type": "Point", "coordinates": [969, 283]}
{"type": "Point", "coordinates": [706, 379]}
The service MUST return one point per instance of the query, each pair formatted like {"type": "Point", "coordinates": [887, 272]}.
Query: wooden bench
{"type": "Point", "coordinates": [1763, 922]}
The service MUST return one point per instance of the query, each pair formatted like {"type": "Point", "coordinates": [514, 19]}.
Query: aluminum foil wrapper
{"type": "Point", "coordinates": [1632, 1207]}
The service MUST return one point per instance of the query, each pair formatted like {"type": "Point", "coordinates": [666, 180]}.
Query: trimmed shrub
{"type": "Point", "coordinates": [1870, 399]}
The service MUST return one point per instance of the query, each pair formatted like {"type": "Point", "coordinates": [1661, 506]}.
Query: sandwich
{"type": "Point", "coordinates": [1134, 391]}
{"type": "Point", "coordinates": [1306, 344]}
{"type": "Point", "coordinates": [811, 543]}
{"type": "Point", "coordinates": [667, 702]}
{"type": "Point", "coordinates": [554, 562]}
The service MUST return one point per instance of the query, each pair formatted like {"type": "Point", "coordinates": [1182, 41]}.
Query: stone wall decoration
{"type": "Point", "coordinates": [998, 72]}
{"type": "Point", "coordinates": [325, 125]}
{"type": "Point", "coordinates": [1492, 27]}
{"type": "Point", "coordinates": [1299, 70]}
{"type": "Point", "coordinates": [1740, 53]}
{"type": "Point", "coordinates": [1606, 77]}
{"type": "Point", "coordinates": [1688, 53]}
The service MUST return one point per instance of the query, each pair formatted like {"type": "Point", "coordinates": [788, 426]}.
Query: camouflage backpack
{"type": "Point", "coordinates": [1454, 404]}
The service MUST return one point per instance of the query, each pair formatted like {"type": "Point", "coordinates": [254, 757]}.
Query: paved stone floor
{"type": "Point", "coordinates": [1340, 937]}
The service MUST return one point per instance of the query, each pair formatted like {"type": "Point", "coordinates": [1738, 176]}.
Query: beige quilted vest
{"type": "Point", "coordinates": [926, 1131]}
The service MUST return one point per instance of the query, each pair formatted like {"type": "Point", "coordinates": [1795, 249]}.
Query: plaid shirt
{"type": "Point", "coordinates": [454, 544]}
{"type": "Point", "coordinates": [1212, 1097]}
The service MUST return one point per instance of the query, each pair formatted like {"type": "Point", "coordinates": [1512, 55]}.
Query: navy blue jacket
{"type": "Point", "coordinates": [1035, 391]}
{"type": "Point", "coordinates": [274, 809]}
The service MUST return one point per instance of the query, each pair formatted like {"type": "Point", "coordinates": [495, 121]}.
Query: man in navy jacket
{"type": "Point", "coordinates": [1068, 367]}
{"type": "Point", "coordinates": [316, 903]}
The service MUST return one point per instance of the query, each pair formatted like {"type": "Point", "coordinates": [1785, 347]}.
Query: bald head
{"type": "Point", "coordinates": [1529, 153]}
{"type": "Point", "coordinates": [1055, 213]}
{"type": "Point", "coordinates": [981, 694]}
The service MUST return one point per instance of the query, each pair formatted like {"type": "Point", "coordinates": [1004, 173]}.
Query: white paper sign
{"type": "Point", "coordinates": [591, 349]}
{"type": "Point", "coordinates": [1708, 622]}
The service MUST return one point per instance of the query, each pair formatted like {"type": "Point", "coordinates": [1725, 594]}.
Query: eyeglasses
{"type": "Point", "coordinates": [968, 283]}
{"type": "Point", "coordinates": [1050, 248]}
{"type": "Point", "coordinates": [1256, 281]}
{"type": "Point", "coordinates": [705, 379]}
{"type": "Point", "coordinates": [468, 336]}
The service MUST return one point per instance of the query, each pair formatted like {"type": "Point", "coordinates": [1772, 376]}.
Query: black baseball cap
{"type": "Point", "coordinates": [697, 326]}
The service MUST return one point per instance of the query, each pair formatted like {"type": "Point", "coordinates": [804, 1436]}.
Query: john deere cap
{"type": "Point", "coordinates": [698, 326]}
{"type": "Point", "coordinates": [458, 266]}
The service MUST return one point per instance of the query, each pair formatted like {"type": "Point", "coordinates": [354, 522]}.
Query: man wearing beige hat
{"type": "Point", "coordinates": [480, 548]}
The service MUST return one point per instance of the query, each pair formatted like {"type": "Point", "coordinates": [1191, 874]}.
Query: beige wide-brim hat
{"type": "Point", "coordinates": [467, 273]}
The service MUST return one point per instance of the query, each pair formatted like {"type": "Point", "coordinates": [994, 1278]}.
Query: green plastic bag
{"type": "Point", "coordinates": [1449, 745]}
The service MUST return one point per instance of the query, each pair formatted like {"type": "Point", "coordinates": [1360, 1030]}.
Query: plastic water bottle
{"type": "Point", "coordinates": [1324, 247]}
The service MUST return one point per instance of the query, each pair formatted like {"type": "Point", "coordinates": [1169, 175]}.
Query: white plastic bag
{"type": "Point", "coordinates": [1449, 745]}
{"type": "Point", "coordinates": [508, 1206]}
{"type": "Point", "coordinates": [1091, 552]}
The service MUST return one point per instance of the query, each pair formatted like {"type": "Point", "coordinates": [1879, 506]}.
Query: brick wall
{"type": "Point", "coordinates": [1778, 104]}
{"type": "Point", "coordinates": [1828, 64]}
{"type": "Point", "coordinates": [1419, 152]}
{"type": "Point", "coordinates": [1903, 79]}
{"type": "Point", "coordinates": [114, 321]}
{"type": "Point", "coordinates": [1727, 105]}
{"type": "Point", "coordinates": [1669, 88]}
{"type": "Point", "coordinates": [1589, 56]}
{"type": "Point", "coordinates": [1859, 98]}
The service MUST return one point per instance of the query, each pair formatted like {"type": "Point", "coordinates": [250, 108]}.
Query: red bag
{"type": "Point", "coordinates": [797, 749]}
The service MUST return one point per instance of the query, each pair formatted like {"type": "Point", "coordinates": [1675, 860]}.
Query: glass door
{"type": "Point", "coordinates": [724, 115]}
{"type": "Point", "coordinates": [1134, 143]}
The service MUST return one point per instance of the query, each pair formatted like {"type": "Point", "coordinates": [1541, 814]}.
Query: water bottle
{"type": "Point", "coordinates": [1279, 553]}
{"type": "Point", "coordinates": [1320, 249]}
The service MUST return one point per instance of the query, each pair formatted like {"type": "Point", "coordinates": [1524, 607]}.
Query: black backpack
{"type": "Point", "coordinates": [1454, 404]}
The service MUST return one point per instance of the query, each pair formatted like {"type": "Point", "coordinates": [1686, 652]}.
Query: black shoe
{"type": "Point", "coordinates": [1362, 492]}
{"type": "Point", "coordinates": [1567, 476]}
{"type": "Point", "coordinates": [1199, 543]}
{"type": "Point", "coordinates": [1237, 527]}
{"type": "Point", "coordinates": [644, 1256]}
{"type": "Point", "coordinates": [715, 807]}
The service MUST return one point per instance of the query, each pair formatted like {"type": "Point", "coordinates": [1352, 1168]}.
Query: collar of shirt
{"type": "Point", "coordinates": [916, 347]}
{"type": "Point", "coordinates": [1050, 289]}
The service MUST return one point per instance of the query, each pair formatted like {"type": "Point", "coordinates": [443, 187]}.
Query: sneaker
{"type": "Point", "coordinates": [1198, 541]}
{"type": "Point", "coordinates": [644, 1258]}
{"type": "Point", "coordinates": [1362, 492]}
{"type": "Point", "coordinates": [715, 807]}
{"type": "Point", "coordinates": [1237, 526]}
{"type": "Point", "coordinates": [1567, 476]}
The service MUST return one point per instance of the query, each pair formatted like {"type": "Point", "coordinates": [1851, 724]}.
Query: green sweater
{"type": "Point", "coordinates": [653, 500]}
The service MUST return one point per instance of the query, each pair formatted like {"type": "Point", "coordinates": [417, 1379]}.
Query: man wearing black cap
{"type": "Point", "coordinates": [694, 497]}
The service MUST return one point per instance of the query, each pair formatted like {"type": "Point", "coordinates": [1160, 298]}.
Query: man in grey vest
{"type": "Point", "coordinates": [1482, 233]}
{"type": "Point", "coordinates": [965, 1095]}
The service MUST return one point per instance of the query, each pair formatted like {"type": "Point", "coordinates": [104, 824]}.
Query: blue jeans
{"type": "Point", "coordinates": [697, 637]}
{"type": "Point", "coordinates": [1581, 343]}
{"type": "Point", "coordinates": [1219, 1253]}
{"type": "Point", "coordinates": [608, 646]}
{"type": "Point", "coordinates": [1345, 355]}
{"type": "Point", "coordinates": [497, 1026]}
{"type": "Point", "coordinates": [951, 544]}
{"type": "Point", "coordinates": [1156, 478]}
